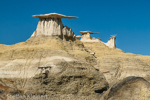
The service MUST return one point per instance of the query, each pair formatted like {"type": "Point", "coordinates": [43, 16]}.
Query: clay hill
{"type": "Point", "coordinates": [55, 64]}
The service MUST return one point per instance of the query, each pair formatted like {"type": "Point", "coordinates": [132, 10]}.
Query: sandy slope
{"type": "Point", "coordinates": [116, 65]}
{"type": "Point", "coordinates": [23, 59]}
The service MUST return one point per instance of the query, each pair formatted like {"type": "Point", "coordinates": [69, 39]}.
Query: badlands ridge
{"type": "Point", "coordinates": [57, 63]}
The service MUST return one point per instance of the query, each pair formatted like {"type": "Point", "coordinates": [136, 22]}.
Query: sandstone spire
{"type": "Point", "coordinates": [111, 43]}
{"type": "Point", "coordinates": [51, 25]}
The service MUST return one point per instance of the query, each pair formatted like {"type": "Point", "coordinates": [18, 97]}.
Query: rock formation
{"type": "Point", "coordinates": [87, 38]}
{"type": "Point", "coordinates": [131, 88]}
{"type": "Point", "coordinates": [51, 25]}
{"type": "Point", "coordinates": [69, 78]}
{"type": "Point", "coordinates": [111, 43]}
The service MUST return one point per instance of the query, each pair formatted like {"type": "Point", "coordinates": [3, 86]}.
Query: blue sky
{"type": "Point", "coordinates": [129, 19]}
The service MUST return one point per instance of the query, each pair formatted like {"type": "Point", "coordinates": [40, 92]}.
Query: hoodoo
{"type": "Point", "coordinates": [51, 25]}
{"type": "Point", "coordinates": [111, 43]}
{"type": "Point", "coordinates": [87, 38]}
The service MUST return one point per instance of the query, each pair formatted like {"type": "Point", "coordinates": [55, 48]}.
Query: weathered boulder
{"type": "Point", "coordinates": [131, 88]}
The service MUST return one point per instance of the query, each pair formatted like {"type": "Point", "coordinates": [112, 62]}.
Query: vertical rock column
{"type": "Point", "coordinates": [111, 43]}
{"type": "Point", "coordinates": [49, 27]}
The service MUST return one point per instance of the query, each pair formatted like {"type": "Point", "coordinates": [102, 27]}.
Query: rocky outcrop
{"type": "Point", "coordinates": [35, 52]}
{"type": "Point", "coordinates": [71, 72]}
{"type": "Point", "coordinates": [51, 25]}
{"type": "Point", "coordinates": [68, 33]}
{"type": "Point", "coordinates": [65, 78]}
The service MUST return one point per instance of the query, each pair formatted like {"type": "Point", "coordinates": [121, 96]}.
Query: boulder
{"type": "Point", "coordinates": [130, 88]}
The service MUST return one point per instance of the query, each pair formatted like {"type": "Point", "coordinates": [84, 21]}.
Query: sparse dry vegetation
{"type": "Point", "coordinates": [25, 58]}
